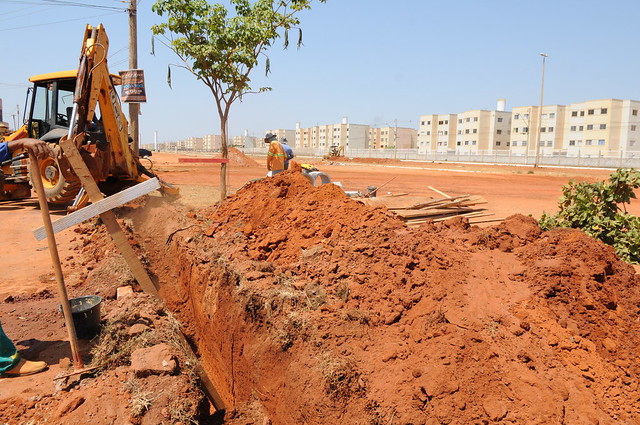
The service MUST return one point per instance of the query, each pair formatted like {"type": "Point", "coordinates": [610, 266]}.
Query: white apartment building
{"type": "Point", "coordinates": [392, 137]}
{"type": "Point", "coordinates": [469, 132]}
{"type": "Point", "coordinates": [437, 133]}
{"type": "Point", "coordinates": [211, 142]}
{"type": "Point", "coordinates": [290, 135]}
{"type": "Point", "coordinates": [354, 136]}
{"type": "Point", "coordinates": [524, 133]}
{"type": "Point", "coordinates": [602, 127]}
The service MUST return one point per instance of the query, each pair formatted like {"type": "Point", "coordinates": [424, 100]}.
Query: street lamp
{"type": "Point", "coordinates": [536, 164]}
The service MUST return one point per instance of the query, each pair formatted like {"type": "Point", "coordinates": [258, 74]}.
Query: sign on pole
{"type": "Point", "coordinates": [133, 86]}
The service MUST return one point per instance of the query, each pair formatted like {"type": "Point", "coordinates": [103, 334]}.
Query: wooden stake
{"type": "Point", "coordinates": [108, 217]}
{"type": "Point", "coordinates": [55, 259]}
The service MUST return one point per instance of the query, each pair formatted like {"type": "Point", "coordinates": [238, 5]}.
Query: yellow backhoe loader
{"type": "Point", "coordinates": [84, 103]}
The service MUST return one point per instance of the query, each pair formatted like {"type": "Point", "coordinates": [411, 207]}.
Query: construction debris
{"type": "Point", "coordinates": [415, 210]}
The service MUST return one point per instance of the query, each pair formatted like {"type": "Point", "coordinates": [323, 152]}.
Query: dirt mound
{"type": "Point", "coordinates": [238, 159]}
{"type": "Point", "coordinates": [309, 307]}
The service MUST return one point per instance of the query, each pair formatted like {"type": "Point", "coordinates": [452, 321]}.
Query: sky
{"type": "Point", "coordinates": [376, 62]}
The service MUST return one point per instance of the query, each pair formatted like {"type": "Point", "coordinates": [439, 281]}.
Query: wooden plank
{"type": "Point", "coordinates": [438, 192]}
{"type": "Point", "coordinates": [108, 218]}
{"type": "Point", "coordinates": [99, 207]}
{"type": "Point", "coordinates": [431, 212]}
{"type": "Point", "coordinates": [205, 160]}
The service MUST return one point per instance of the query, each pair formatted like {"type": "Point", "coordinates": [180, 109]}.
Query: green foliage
{"type": "Point", "coordinates": [221, 47]}
{"type": "Point", "coordinates": [599, 209]}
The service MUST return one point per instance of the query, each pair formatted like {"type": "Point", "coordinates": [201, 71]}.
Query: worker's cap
{"type": "Point", "coordinates": [269, 137]}
{"type": "Point", "coordinates": [283, 140]}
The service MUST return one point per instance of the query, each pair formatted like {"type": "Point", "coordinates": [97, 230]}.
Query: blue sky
{"type": "Point", "coordinates": [373, 61]}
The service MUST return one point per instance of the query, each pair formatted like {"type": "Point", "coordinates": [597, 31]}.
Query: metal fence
{"type": "Point", "coordinates": [557, 159]}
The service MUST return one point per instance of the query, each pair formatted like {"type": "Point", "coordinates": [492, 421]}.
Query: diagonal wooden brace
{"type": "Point", "coordinates": [108, 217]}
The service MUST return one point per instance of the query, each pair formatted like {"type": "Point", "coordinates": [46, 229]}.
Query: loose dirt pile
{"type": "Point", "coordinates": [308, 307]}
{"type": "Point", "coordinates": [238, 159]}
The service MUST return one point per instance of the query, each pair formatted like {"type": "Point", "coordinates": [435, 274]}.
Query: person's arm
{"type": "Point", "coordinates": [270, 155]}
{"type": "Point", "coordinates": [4, 152]}
{"type": "Point", "coordinates": [38, 148]}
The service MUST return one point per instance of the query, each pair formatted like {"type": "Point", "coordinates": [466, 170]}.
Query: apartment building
{"type": "Point", "coordinates": [524, 129]}
{"type": "Point", "coordinates": [247, 141]}
{"type": "Point", "coordinates": [600, 127]}
{"type": "Point", "coordinates": [469, 132]}
{"type": "Point", "coordinates": [191, 144]}
{"type": "Point", "coordinates": [392, 137]}
{"type": "Point", "coordinates": [290, 135]}
{"type": "Point", "coordinates": [437, 133]}
{"type": "Point", "coordinates": [211, 142]}
{"type": "Point", "coordinates": [354, 136]}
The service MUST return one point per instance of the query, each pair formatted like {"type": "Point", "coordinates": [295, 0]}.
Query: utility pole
{"type": "Point", "coordinates": [134, 108]}
{"type": "Point", "coordinates": [537, 162]}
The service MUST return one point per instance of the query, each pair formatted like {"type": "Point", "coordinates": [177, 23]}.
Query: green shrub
{"type": "Point", "coordinates": [599, 209]}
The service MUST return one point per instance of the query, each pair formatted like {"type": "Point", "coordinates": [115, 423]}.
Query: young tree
{"type": "Point", "coordinates": [221, 48]}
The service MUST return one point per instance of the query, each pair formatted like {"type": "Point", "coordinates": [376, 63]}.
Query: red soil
{"type": "Point", "coordinates": [309, 307]}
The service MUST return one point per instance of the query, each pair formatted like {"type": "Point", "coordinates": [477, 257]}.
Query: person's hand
{"type": "Point", "coordinates": [38, 148]}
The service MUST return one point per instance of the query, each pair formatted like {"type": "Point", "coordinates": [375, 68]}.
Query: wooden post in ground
{"type": "Point", "coordinates": [55, 259]}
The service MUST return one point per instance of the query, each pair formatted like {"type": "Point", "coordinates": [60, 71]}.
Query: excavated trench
{"type": "Point", "coordinates": [308, 307]}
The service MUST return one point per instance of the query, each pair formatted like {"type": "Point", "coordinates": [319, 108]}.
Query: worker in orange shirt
{"type": "Point", "coordinates": [276, 155]}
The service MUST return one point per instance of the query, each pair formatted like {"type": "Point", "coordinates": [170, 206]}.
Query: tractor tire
{"type": "Point", "coordinates": [61, 185]}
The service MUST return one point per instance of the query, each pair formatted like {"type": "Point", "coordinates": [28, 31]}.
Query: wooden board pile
{"type": "Point", "coordinates": [416, 210]}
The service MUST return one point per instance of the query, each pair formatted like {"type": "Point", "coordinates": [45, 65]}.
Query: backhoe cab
{"type": "Point", "coordinates": [86, 100]}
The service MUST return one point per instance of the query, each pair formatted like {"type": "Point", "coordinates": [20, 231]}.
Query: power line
{"type": "Point", "coordinates": [58, 22]}
{"type": "Point", "coordinates": [64, 3]}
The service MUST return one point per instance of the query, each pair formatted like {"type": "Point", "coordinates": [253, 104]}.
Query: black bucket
{"type": "Point", "coordinates": [86, 315]}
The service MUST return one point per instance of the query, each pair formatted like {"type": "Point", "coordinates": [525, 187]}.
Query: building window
{"type": "Point", "coordinates": [524, 143]}
{"type": "Point", "coordinates": [473, 143]}
{"type": "Point", "coordinates": [428, 133]}
{"type": "Point", "coordinates": [475, 130]}
{"type": "Point", "coordinates": [573, 128]}
{"type": "Point", "coordinates": [603, 111]}
{"type": "Point", "coordinates": [572, 142]}
{"type": "Point", "coordinates": [516, 117]}
{"type": "Point", "coordinates": [601, 142]}
{"type": "Point", "coordinates": [590, 127]}
{"type": "Point", "coordinates": [497, 143]}
{"type": "Point", "coordinates": [579, 142]}
{"type": "Point", "coordinates": [446, 121]}
{"type": "Point", "coordinates": [574, 113]}
{"type": "Point", "coordinates": [633, 128]}
{"type": "Point", "coordinates": [499, 119]}
{"type": "Point", "coordinates": [634, 112]}
{"type": "Point", "coordinates": [543, 130]}
{"type": "Point", "coordinates": [632, 142]}
{"type": "Point", "coordinates": [459, 131]}
{"type": "Point", "coordinates": [475, 119]}
{"type": "Point", "coordinates": [459, 143]}
{"type": "Point", "coordinates": [428, 122]}
{"type": "Point", "coordinates": [466, 131]}
{"type": "Point", "coordinates": [499, 131]}
{"type": "Point", "coordinates": [440, 122]}
{"type": "Point", "coordinates": [446, 132]}
{"type": "Point", "coordinates": [466, 143]}
{"type": "Point", "coordinates": [525, 116]}
{"type": "Point", "coordinates": [552, 115]}
{"type": "Point", "coordinates": [582, 113]}
{"type": "Point", "coordinates": [515, 130]}
{"type": "Point", "coordinates": [603, 126]}
{"type": "Point", "coordinates": [550, 143]}
{"type": "Point", "coordinates": [460, 121]}
{"type": "Point", "coordinates": [525, 129]}
{"type": "Point", "coordinates": [508, 143]}
{"type": "Point", "coordinates": [544, 116]}
{"type": "Point", "coordinates": [591, 111]}
{"type": "Point", "coordinates": [468, 119]}
{"type": "Point", "coordinates": [581, 128]}
{"type": "Point", "coordinates": [422, 122]}
{"type": "Point", "coordinates": [550, 130]}
{"type": "Point", "coordinates": [588, 142]}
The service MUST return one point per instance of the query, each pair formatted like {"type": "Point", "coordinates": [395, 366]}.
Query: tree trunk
{"type": "Point", "coordinates": [225, 154]}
